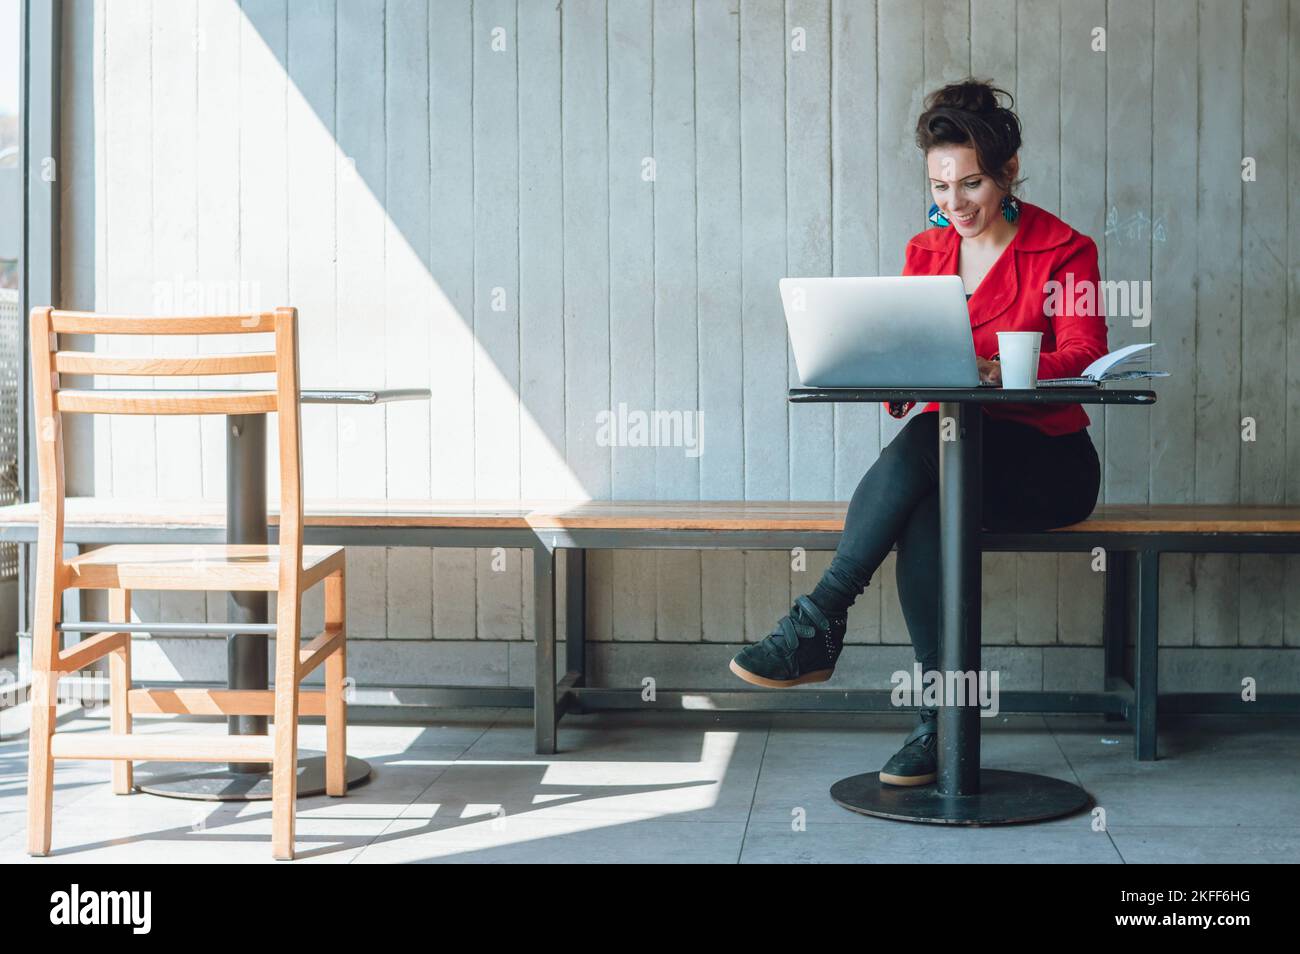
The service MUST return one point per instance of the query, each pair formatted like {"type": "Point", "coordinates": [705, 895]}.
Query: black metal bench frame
{"type": "Point", "coordinates": [1130, 681]}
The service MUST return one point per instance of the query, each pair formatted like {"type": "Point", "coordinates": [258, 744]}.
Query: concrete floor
{"type": "Point", "coordinates": [676, 787]}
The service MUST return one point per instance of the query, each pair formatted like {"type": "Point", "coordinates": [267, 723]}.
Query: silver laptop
{"type": "Point", "coordinates": [896, 331]}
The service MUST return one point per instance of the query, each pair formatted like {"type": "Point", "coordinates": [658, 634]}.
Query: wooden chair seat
{"type": "Point", "coordinates": [178, 566]}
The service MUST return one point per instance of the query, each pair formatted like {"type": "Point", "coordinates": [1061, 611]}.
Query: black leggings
{"type": "Point", "coordinates": [1031, 481]}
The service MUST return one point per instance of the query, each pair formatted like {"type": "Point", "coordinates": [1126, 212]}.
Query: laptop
{"type": "Point", "coordinates": [909, 331]}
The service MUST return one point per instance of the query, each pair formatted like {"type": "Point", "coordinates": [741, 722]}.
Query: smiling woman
{"type": "Point", "coordinates": [1040, 468]}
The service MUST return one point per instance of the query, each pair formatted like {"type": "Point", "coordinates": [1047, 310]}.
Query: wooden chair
{"type": "Point", "coordinates": [287, 570]}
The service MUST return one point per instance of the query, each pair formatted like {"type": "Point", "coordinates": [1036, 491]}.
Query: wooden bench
{"type": "Point", "coordinates": [1133, 536]}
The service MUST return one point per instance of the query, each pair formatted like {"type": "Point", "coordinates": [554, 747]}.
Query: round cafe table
{"type": "Point", "coordinates": [246, 653]}
{"type": "Point", "coordinates": [964, 792]}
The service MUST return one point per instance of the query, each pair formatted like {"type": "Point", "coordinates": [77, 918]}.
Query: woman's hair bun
{"type": "Point", "coordinates": [971, 112]}
{"type": "Point", "coordinates": [969, 95]}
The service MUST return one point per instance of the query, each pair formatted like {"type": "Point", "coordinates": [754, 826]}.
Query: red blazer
{"type": "Point", "coordinates": [1012, 297]}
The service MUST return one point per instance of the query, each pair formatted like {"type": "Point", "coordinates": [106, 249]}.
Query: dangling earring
{"type": "Point", "coordinates": [1010, 208]}
{"type": "Point", "coordinates": [936, 217]}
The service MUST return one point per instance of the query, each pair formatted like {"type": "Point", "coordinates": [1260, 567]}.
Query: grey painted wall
{"type": "Point", "coordinates": [478, 221]}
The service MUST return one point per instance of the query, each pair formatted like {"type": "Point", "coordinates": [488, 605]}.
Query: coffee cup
{"type": "Point", "coordinates": [1018, 356]}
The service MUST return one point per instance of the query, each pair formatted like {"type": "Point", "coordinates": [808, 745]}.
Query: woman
{"type": "Point", "coordinates": [1040, 468]}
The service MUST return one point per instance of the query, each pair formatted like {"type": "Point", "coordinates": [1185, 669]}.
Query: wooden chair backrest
{"type": "Point", "coordinates": [52, 401]}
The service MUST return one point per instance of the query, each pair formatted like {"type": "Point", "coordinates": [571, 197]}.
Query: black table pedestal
{"type": "Point", "coordinates": [1003, 798]}
{"type": "Point", "coordinates": [962, 794]}
{"type": "Point", "coordinates": [208, 782]}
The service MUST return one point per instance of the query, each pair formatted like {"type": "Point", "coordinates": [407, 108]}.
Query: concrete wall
{"type": "Point", "coordinates": [454, 196]}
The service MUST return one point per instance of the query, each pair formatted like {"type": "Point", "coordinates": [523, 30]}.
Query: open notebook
{"type": "Point", "coordinates": [1109, 367]}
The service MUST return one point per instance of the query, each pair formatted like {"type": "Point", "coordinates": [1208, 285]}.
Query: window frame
{"type": "Point", "coordinates": [40, 45]}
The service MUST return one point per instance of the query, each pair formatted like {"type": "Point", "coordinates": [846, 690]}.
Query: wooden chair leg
{"type": "Point", "coordinates": [336, 671]}
{"type": "Point", "coordinates": [119, 679]}
{"type": "Point", "coordinates": [284, 769]}
{"type": "Point", "coordinates": [40, 760]}
{"type": "Point", "coordinates": [44, 700]}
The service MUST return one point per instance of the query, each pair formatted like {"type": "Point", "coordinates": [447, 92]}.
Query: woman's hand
{"type": "Point", "coordinates": [989, 370]}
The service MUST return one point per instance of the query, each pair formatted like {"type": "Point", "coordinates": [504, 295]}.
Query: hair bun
{"type": "Point", "coordinates": [969, 96]}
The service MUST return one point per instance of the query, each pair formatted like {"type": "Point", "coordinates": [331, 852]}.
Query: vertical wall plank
{"type": "Point", "coordinates": [451, 339]}
{"type": "Point", "coordinates": [1128, 247]}
{"type": "Point", "coordinates": [1263, 309]}
{"type": "Point", "coordinates": [79, 227]}
{"type": "Point", "coordinates": [173, 93]}
{"type": "Point", "coordinates": [361, 234]}
{"type": "Point", "coordinates": [721, 326]}
{"type": "Point", "coordinates": [947, 46]}
{"type": "Point", "coordinates": [677, 475]}
{"type": "Point", "coordinates": [1218, 306]}
{"type": "Point", "coordinates": [496, 301]}
{"type": "Point", "coordinates": [586, 242]}
{"type": "Point", "coordinates": [408, 295]}
{"type": "Point", "coordinates": [762, 158]}
{"type": "Point", "coordinates": [900, 98]}
{"type": "Point", "coordinates": [1080, 589]}
{"type": "Point", "coordinates": [630, 598]}
{"type": "Point", "coordinates": [721, 331]}
{"type": "Point", "coordinates": [81, 56]}
{"type": "Point", "coordinates": [263, 178]}
{"type": "Point", "coordinates": [543, 472]}
{"type": "Point", "coordinates": [129, 286]}
{"type": "Point", "coordinates": [1292, 398]}
{"type": "Point", "coordinates": [808, 226]}
{"type": "Point", "coordinates": [313, 161]}
{"type": "Point", "coordinates": [1038, 97]}
{"type": "Point", "coordinates": [1174, 276]}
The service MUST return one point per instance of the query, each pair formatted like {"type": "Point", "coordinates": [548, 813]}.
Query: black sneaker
{"type": "Point", "coordinates": [802, 648]}
{"type": "Point", "coordinates": [917, 762]}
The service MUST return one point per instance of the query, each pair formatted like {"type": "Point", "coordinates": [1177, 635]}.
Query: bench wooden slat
{"type": "Point", "coordinates": [692, 515]}
{"type": "Point", "coordinates": [341, 512]}
{"type": "Point", "coordinates": [718, 515]}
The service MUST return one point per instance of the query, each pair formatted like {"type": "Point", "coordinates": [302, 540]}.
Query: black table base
{"type": "Point", "coordinates": [963, 793]}
{"type": "Point", "coordinates": [1004, 798]}
{"type": "Point", "coordinates": [209, 782]}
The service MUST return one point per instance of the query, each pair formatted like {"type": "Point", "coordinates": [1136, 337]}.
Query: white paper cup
{"type": "Point", "coordinates": [1018, 355]}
